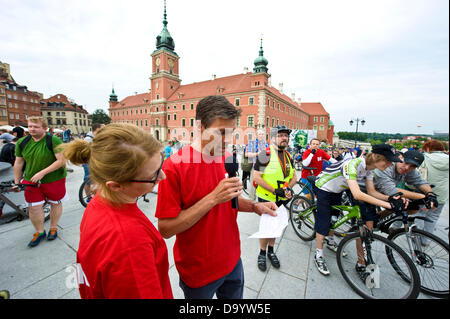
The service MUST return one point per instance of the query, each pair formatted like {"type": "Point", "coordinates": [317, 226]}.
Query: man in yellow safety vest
{"type": "Point", "coordinates": [274, 174]}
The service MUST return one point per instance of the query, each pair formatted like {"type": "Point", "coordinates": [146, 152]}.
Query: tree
{"type": "Point", "coordinates": [99, 116]}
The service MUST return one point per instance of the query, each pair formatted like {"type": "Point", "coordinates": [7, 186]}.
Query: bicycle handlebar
{"type": "Point", "coordinates": [6, 187]}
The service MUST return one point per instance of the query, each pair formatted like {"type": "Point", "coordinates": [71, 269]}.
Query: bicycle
{"type": "Point", "coordinates": [431, 260]}
{"type": "Point", "coordinates": [381, 279]}
{"type": "Point", "coordinates": [21, 210]}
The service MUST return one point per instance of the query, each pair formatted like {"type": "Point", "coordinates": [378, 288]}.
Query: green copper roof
{"type": "Point", "coordinates": [260, 62]}
{"type": "Point", "coordinates": [164, 40]}
{"type": "Point", "coordinates": [113, 96]}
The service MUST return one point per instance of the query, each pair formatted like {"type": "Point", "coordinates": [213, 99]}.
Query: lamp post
{"type": "Point", "coordinates": [357, 120]}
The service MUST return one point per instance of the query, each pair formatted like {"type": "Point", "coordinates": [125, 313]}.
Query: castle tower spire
{"type": "Point", "coordinates": [164, 40]}
{"type": "Point", "coordinates": [261, 62]}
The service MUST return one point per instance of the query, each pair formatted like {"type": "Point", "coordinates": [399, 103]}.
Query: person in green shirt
{"type": "Point", "coordinates": [45, 168]}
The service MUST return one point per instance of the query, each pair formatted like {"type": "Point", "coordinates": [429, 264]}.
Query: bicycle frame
{"type": "Point", "coordinates": [353, 212]}
{"type": "Point", "coordinates": [414, 242]}
{"type": "Point", "coordinates": [16, 208]}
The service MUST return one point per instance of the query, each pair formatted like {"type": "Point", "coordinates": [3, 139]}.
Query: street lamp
{"type": "Point", "coordinates": [358, 120]}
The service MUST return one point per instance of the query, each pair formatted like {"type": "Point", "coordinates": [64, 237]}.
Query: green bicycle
{"type": "Point", "coordinates": [302, 215]}
{"type": "Point", "coordinates": [384, 260]}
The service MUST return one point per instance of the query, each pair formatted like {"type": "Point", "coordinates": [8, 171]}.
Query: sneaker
{"type": "Point", "coordinates": [332, 246]}
{"type": "Point", "coordinates": [52, 234]}
{"type": "Point", "coordinates": [262, 262]}
{"type": "Point", "coordinates": [274, 260]}
{"type": "Point", "coordinates": [36, 239]}
{"type": "Point", "coordinates": [321, 265]}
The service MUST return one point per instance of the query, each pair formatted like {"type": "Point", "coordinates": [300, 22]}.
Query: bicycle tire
{"type": "Point", "coordinates": [433, 269]}
{"type": "Point", "coordinates": [82, 196]}
{"type": "Point", "coordinates": [303, 227]}
{"type": "Point", "coordinates": [308, 187]}
{"type": "Point", "coordinates": [390, 281]}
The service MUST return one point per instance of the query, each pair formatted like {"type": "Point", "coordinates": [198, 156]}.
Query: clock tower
{"type": "Point", "coordinates": [165, 72]}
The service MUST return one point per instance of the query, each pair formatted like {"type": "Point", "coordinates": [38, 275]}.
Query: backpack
{"type": "Point", "coordinates": [48, 142]}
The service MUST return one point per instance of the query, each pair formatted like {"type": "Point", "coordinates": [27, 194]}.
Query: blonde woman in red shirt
{"type": "Point", "coordinates": [120, 254]}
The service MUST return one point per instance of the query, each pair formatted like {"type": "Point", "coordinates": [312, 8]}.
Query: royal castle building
{"type": "Point", "coordinates": [168, 109]}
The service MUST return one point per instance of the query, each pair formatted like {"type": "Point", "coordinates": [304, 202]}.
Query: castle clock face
{"type": "Point", "coordinates": [158, 61]}
{"type": "Point", "coordinates": [170, 62]}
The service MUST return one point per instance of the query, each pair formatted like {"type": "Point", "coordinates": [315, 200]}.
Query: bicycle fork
{"type": "Point", "coordinates": [371, 277]}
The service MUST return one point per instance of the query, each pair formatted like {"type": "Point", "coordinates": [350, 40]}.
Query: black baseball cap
{"type": "Point", "coordinates": [387, 151]}
{"type": "Point", "coordinates": [413, 157]}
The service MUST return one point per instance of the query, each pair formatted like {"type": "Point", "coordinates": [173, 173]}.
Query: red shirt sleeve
{"type": "Point", "coordinates": [306, 154]}
{"type": "Point", "coordinates": [169, 202]}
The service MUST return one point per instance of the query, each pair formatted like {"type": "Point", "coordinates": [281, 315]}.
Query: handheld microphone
{"type": "Point", "coordinates": [232, 166]}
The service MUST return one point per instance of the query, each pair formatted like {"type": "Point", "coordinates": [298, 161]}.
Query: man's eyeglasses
{"type": "Point", "coordinates": [152, 181]}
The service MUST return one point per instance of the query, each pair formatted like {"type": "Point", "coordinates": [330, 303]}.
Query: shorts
{"type": "Point", "coordinates": [307, 183]}
{"type": "Point", "coordinates": [368, 212]}
{"type": "Point", "coordinates": [324, 211]}
{"type": "Point", "coordinates": [54, 192]}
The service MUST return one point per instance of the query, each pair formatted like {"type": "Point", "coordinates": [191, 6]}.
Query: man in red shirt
{"type": "Point", "coordinates": [313, 157]}
{"type": "Point", "coordinates": [194, 203]}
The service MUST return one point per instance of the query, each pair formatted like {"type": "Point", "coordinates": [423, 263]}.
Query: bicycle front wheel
{"type": "Point", "coordinates": [86, 192]}
{"type": "Point", "coordinates": [302, 219]}
{"type": "Point", "coordinates": [430, 257]}
{"type": "Point", "coordinates": [381, 279]}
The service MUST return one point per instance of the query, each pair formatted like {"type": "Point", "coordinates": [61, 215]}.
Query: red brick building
{"type": "Point", "coordinates": [168, 109]}
{"type": "Point", "coordinates": [17, 103]}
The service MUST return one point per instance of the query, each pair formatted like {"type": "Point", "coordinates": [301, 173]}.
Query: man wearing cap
{"type": "Point", "coordinates": [274, 174]}
{"type": "Point", "coordinates": [387, 181]}
{"type": "Point", "coordinates": [351, 174]}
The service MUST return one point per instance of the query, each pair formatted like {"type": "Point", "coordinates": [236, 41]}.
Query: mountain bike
{"type": "Point", "coordinates": [429, 253]}
{"type": "Point", "coordinates": [20, 210]}
{"type": "Point", "coordinates": [384, 260]}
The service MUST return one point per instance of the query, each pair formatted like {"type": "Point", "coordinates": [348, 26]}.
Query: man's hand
{"type": "Point", "coordinates": [397, 203]}
{"type": "Point", "coordinates": [289, 192]}
{"type": "Point", "coordinates": [227, 189]}
{"type": "Point", "coordinates": [431, 200]}
{"type": "Point", "coordinates": [266, 208]}
{"type": "Point", "coordinates": [37, 177]}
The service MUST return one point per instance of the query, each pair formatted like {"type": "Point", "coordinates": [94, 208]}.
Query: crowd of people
{"type": "Point", "coordinates": [122, 254]}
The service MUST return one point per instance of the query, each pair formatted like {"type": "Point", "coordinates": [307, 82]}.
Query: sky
{"type": "Point", "coordinates": [385, 61]}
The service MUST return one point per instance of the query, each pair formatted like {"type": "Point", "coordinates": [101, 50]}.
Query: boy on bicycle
{"type": "Point", "coordinates": [347, 174]}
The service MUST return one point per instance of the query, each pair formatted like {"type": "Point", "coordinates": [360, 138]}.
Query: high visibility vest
{"type": "Point", "coordinates": [273, 174]}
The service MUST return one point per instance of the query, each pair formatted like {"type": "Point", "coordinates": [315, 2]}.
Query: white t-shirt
{"type": "Point", "coordinates": [334, 178]}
